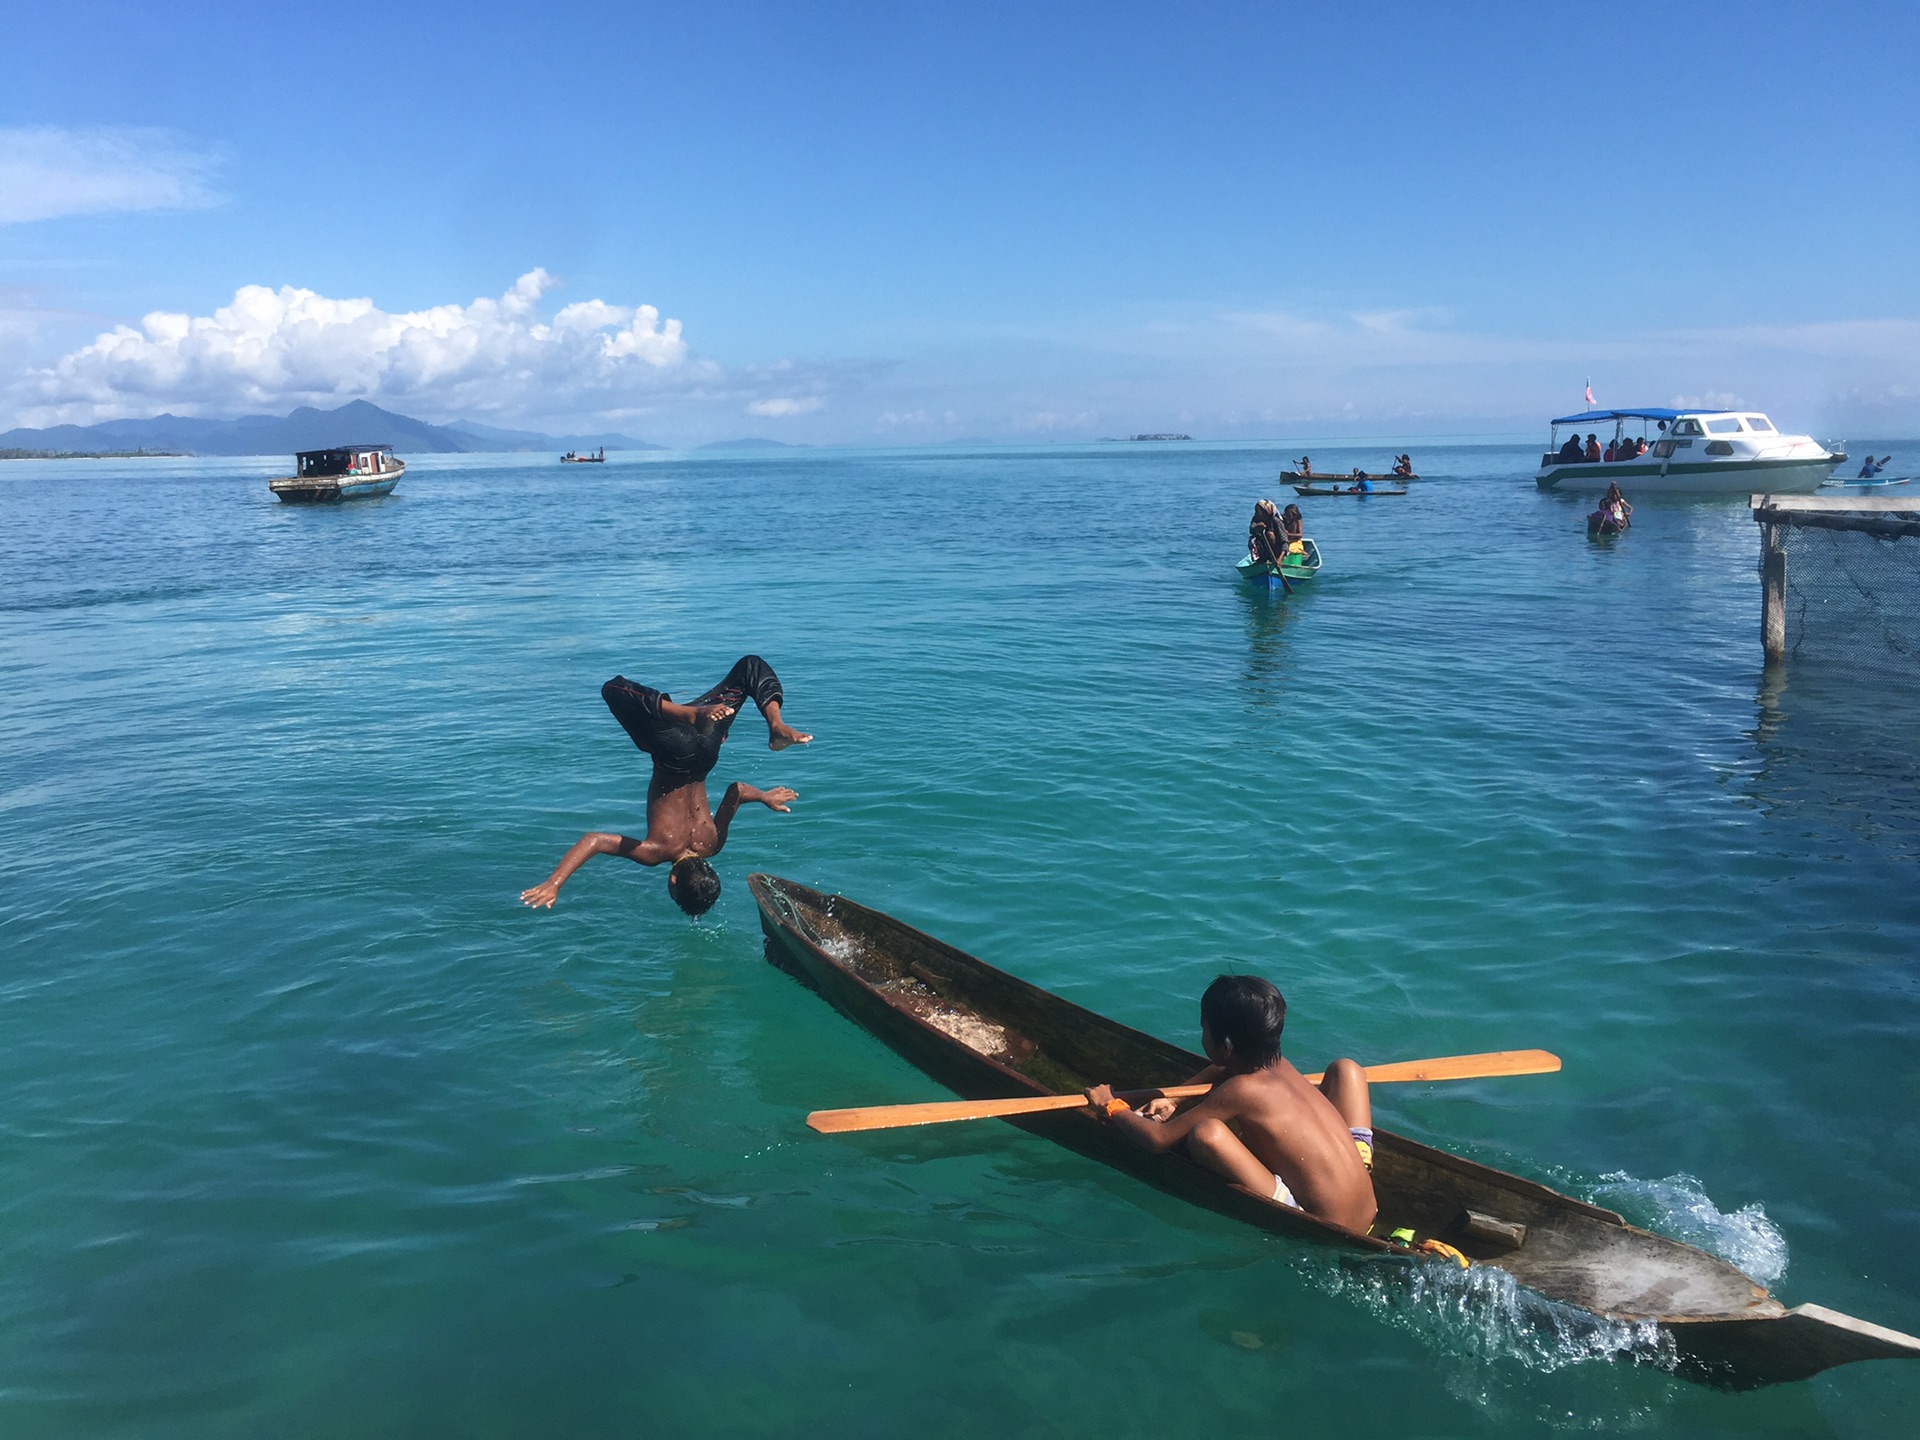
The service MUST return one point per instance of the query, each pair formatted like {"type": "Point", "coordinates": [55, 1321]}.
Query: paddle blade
{"type": "Point", "coordinates": [892, 1117]}
{"type": "Point", "coordinates": [1467, 1067]}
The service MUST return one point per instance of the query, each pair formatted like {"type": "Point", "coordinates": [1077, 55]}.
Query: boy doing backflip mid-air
{"type": "Point", "coordinates": [684, 741]}
{"type": "Point", "coordinates": [1264, 1125]}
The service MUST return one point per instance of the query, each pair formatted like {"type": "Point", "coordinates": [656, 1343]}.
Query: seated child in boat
{"type": "Point", "coordinates": [1403, 466]}
{"type": "Point", "coordinates": [1263, 1125]}
{"type": "Point", "coordinates": [1295, 530]}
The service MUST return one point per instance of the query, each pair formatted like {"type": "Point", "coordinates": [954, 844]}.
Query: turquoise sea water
{"type": "Point", "coordinates": [312, 1130]}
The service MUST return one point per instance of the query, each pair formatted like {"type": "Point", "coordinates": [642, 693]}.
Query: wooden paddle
{"type": "Point", "coordinates": [1445, 1067]}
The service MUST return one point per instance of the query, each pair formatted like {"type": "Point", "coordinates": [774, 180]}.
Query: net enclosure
{"type": "Point", "coordinates": [1840, 578]}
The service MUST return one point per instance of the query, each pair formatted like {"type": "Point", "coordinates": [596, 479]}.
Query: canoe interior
{"type": "Point", "coordinates": [1294, 477]}
{"type": "Point", "coordinates": [988, 1035]}
{"type": "Point", "coordinates": [1337, 489]}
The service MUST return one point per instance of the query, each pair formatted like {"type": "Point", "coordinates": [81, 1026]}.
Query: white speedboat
{"type": "Point", "coordinates": [1726, 451]}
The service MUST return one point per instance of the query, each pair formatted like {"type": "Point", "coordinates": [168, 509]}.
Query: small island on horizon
{"type": "Point", "coordinates": [1136, 439]}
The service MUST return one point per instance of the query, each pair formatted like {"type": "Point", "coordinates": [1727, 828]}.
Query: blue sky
{"type": "Point", "coordinates": [902, 224]}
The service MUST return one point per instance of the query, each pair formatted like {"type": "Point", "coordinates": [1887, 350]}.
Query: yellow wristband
{"type": "Point", "coordinates": [1117, 1106]}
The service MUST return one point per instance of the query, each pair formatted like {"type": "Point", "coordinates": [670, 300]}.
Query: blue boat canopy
{"type": "Point", "coordinates": [1595, 416]}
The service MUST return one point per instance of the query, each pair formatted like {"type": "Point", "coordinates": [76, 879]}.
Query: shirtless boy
{"type": "Point", "coordinates": [1263, 1125]}
{"type": "Point", "coordinates": [684, 741]}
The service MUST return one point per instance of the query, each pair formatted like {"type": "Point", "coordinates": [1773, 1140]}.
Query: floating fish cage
{"type": "Point", "coordinates": [1840, 576]}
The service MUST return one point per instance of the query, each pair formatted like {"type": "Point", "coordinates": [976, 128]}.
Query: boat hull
{"type": "Point", "coordinates": [329, 489]}
{"type": "Point", "coordinates": [1296, 569]}
{"type": "Point", "coordinates": [1294, 477]}
{"type": "Point", "coordinates": [1695, 477]}
{"type": "Point", "coordinates": [988, 1035]}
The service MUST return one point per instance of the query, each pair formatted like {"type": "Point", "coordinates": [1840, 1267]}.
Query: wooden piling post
{"type": "Point", "coordinates": [1773, 592]}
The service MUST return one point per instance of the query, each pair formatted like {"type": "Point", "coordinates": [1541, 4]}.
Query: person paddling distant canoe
{"type": "Point", "coordinates": [684, 741]}
{"type": "Point", "coordinates": [1264, 1125]}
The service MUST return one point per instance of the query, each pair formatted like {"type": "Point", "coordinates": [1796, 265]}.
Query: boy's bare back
{"type": "Point", "coordinates": [1294, 1130]}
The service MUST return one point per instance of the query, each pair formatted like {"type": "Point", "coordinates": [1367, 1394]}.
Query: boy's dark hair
{"type": "Point", "coordinates": [693, 885]}
{"type": "Point", "coordinates": [1247, 1014]}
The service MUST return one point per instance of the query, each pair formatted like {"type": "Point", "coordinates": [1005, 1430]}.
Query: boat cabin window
{"type": "Point", "coordinates": [1725, 425]}
{"type": "Point", "coordinates": [1686, 427]}
{"type": "Point", "coordinates": [1760, 423]}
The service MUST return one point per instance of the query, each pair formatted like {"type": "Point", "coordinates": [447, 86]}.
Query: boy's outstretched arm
{"type": "Point", "coordinates": [1158, 1135]}
{"type": "Point", "coordinates": [644, 852]}
{"type": "Point", "coordinates": [740, 793]}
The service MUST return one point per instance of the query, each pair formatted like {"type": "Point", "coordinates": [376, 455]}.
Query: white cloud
{"type": "Point", "coordinates": [274, 349]}
{"type": "Point", "coordinates": [783, 405]}
{"type": "Point", "coordinates": [47, 172]}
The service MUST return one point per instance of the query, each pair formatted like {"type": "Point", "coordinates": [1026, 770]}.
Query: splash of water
{"type": "Point", "coordinates": [1485, 1316]}
{"type": "Point", "coordinates": [1678, 1206]}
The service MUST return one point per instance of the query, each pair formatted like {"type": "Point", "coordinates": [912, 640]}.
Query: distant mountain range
{"type": "Point", "coordinates": [358, 423]}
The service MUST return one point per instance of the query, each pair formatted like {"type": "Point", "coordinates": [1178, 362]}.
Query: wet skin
{"type": "Point", "coordinates": [679, 822]}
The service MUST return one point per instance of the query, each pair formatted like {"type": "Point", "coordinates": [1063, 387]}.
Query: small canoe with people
{"type": "Point", "coordinates": [1330, 486]}
{"type": "Point", "coordinates": [991, 1037]}
{"type": "Point", "coordinates": [1320, 477]}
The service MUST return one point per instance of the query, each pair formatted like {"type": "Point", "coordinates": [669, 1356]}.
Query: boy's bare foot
{"type": "Point", "coordinates": [705, 717]}
{"type": "Point", "coordinates": [780, 736]}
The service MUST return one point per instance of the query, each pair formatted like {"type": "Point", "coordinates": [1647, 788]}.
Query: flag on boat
{"type": "Point", "coordinates": [1589, 394]}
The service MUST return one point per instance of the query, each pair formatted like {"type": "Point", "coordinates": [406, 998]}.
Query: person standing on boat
{"type": "Point", "coordinates": [1264, 1125]}
{"type": "Point", "coordinates": [1266, 541]}
{"type": "Point", "coordinates": [684, 741]}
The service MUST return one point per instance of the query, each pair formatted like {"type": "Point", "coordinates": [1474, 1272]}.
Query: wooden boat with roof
{"type": "Point", "coordinates": [988, 1035]}
{"type": "Point", "coordinates": [344, 472]}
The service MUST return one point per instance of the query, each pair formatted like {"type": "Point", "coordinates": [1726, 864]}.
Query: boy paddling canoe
{"type": "Point", "coordinates": [684, 741]}
{"type": "Point", "coordinates": [1264, 1125]}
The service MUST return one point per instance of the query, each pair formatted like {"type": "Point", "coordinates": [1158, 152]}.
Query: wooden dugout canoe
{"type": "Point", "coordinates": [987, 1035]}
{"type": "Point", "coordinates": [1294, 477]}
{"type": "Point", "coordinates": [1334, 488]}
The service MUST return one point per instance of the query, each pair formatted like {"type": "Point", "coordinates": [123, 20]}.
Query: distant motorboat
{"type": "Point", "coordinates": [599, 458]}
{"type": "Point", "coordinates": [1703, 451]}
{"type": "Point", "coordinates": [346, 472]}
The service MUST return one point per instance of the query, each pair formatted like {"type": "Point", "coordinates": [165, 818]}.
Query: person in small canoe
{"type": "Point", "coordinates": [1361, 484]}
{"type": "Point", "coordinates": [1304, 465]}
{"type": "Point", "coordinates": [1263, 1125]}
{"type": "Point", "coordinates": [1294, 529]}
{"type": "Point", "coordinates": [684, 741]}
{"type": "Point", "coordinates": [1872, 467]}
{"type": "Point", "coordinates": [1266, 540]}
{"type": "Point", "coordinates": [1403, 466]}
